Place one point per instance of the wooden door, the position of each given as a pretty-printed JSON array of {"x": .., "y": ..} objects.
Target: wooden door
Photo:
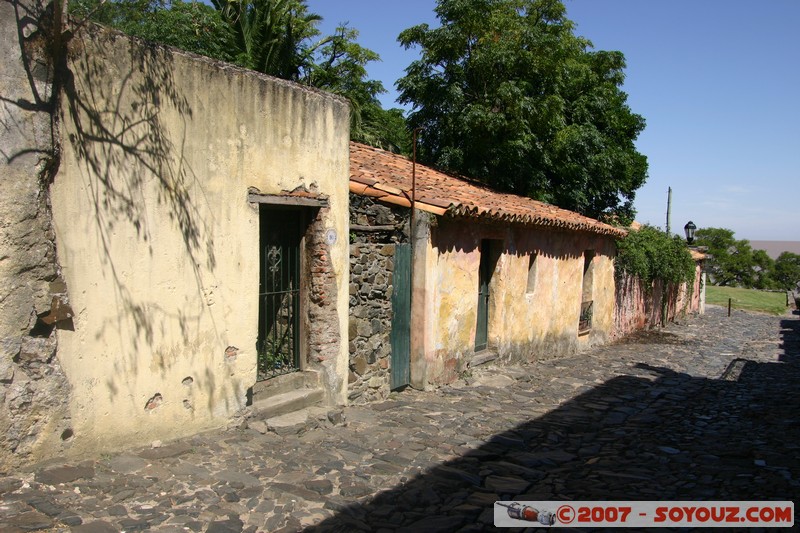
[
  {"x": 484, "y": 278},
  {"x": 401, "y": 318}
]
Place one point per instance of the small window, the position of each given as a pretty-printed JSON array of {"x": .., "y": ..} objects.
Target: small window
[
  {"x": 585, "y": 320},
  {"x": 587, "y": 303},
  {"x": 588, "y": 275},
  {"x": 532, "y": 263}
]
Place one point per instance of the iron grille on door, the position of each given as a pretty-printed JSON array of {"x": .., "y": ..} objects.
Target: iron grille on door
[
  {"x": 279, "y": 293},
  {"x": 585, "y": 320}
]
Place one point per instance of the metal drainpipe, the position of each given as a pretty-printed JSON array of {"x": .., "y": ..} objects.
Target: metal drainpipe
[
  {"x": 413, "y": 192},
  {"x": 412, "y": 228}
]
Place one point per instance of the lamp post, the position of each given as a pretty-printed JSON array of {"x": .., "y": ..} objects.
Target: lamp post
[{"x": 689, "y": 229}]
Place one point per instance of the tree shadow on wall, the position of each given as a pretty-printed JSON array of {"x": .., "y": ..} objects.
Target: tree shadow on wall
[
  {"x": 33, "y": 25},
  {"x": 656, "y": 435},
  {"x": 118, "y": 133},
  {"x": 127, "y": 122},
  {"x": 112, "y": 94}
]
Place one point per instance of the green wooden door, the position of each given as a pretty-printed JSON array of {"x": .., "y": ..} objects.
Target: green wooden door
[
  {"x": 401, "y": 318},
  {"x": 484, "y": 277}
]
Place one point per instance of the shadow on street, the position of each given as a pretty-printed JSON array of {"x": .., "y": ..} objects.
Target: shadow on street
[{"x": 663, "y": 436}]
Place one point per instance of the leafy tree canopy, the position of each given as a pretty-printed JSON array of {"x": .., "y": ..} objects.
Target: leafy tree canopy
[
  {"x": 731, "y": 262},
  {"x": 763, "y": 270},
  {"x": 649, "y": 254},
  {"x": 506, "y": 93},
  {"x": 734, "y": 263},
  {"x": 340, "y": 67},
  {"x": 786, "y": 271},
  {"x": 276, "y": 37},
  {"x": 191, "y": 26},
  {"x": 271, "y": 36}
]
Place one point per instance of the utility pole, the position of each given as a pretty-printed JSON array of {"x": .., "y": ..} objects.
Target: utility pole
[{"x": 669, "y": 208}]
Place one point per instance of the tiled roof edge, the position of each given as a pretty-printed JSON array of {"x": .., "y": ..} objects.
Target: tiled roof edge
[
  {"x": 456, "y": 207},
  {"x": 599, "y": 228}
]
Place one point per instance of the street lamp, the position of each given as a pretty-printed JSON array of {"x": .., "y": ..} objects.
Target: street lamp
[{"x": 689, "y": 228}]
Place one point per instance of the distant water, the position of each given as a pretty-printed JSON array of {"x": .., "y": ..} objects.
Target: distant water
[{"x": 775, "y": 248}]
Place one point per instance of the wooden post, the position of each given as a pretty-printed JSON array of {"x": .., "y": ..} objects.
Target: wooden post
[
  {"x": 729, "y": 306},
  {"x": 669, "y": 211}
]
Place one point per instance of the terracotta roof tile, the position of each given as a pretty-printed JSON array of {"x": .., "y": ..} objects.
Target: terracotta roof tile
[{"x": 387, "y": 177}]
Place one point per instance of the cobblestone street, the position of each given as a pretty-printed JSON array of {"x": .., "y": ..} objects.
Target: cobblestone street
[{"x": 704, "y": 409}]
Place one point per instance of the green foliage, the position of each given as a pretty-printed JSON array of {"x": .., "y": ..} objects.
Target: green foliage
[
  {"x": 506, "y": 93},
  {"x": 747, "y": 299},
  {"x": 786, "y": 271},
  {"x": 270, "y": 36},
  {"x": 191, "y": 26},
  {"x": 340, "y": 68},
  {"x": 732, "y": 262},
  {"x": 388, "y": 129},
  {"x": 650, "y": 254},
  {"x": 763, "y": 271},
  {"x": 276, "y": 37}
]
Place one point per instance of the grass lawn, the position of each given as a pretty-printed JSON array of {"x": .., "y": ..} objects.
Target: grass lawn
[{"x": 773, "y": 303}]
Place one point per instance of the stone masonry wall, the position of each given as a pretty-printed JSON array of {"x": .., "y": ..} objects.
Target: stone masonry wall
[
  {"x": 375, "y": 230},
  {"x": 34, "y": 421},
  {"x": 323, "y": 328}
]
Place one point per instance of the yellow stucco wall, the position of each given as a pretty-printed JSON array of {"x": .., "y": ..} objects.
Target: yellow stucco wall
[
  {"x": 522, "y": 324},
  {"x": 157, "y": 241}
]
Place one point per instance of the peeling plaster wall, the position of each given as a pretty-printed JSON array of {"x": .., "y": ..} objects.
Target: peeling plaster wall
[
  {"x": 324, "y": 323},
  {"x": 159, "y": 245},
  {"x": 641, "y": 306},
  {"x": 522, "y": 325},
  {"x": 34, "y": 393}
]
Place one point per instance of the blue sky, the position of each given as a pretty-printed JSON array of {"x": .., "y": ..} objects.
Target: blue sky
[{"x": 718, "y": 82}]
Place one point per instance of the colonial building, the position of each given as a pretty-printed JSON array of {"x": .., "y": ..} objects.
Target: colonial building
[
  {"x": 196, "y": 217},
  {"x": 181, "y": 244},
  {"x": 482, "y": 276}
]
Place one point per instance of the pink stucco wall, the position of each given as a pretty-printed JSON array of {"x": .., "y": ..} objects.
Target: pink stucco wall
[{"x": 640, "y": 307}]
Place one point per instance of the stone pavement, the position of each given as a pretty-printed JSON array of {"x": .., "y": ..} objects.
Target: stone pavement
[{"x": 704, "y": 409}]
